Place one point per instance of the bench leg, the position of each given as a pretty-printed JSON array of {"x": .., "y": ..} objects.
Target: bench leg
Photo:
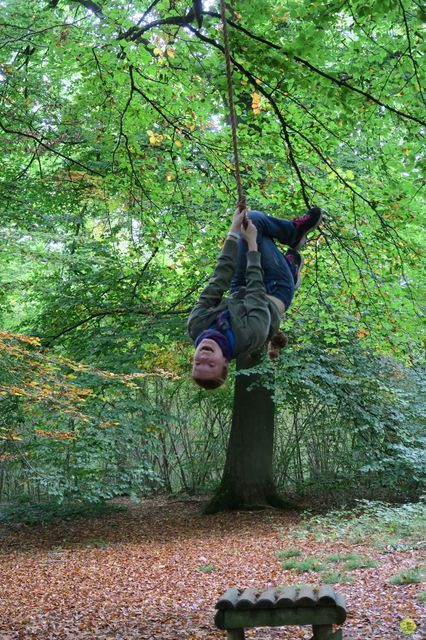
[
  {"x": 325, "y": 632},
  {"x": 235, "y": 634}
]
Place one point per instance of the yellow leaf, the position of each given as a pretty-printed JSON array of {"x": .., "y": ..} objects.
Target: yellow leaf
[
  {"x": 158, "y": 51},
  {"x": 407, "y": 626},
  {"x": 170, "y": 53},
  {"x": 154, "y": 138},
  {"x": 178, "y": 143},
  {"x": 255, "y": 104}
]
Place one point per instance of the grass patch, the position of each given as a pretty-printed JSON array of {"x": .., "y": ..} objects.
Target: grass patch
[
  {"x": 308, "y": 565},
  {"x": 46, "y": 512},
  {"x": 395, "y": 544},
  {"x": 334, "y": 577},
  {"x": 408, "y": 576},
  {"x": 334, "y": 558},
  {"x": 289, "y": 553},
  {"x": 421, "y": 597},
  {"x": 92, "y": 543},
  {"x": 379, "y": 521},
  {"x": 313, "y": 565},
  {"x": 289, "y": 565},
  {"x": 354, "y": 561},
  {"x": 207, "y": 568}
]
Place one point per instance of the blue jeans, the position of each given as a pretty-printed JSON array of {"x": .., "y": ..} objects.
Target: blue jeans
[{"x": 277, "y": 277}]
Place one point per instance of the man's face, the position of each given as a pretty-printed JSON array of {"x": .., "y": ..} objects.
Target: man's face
[{"x": 209, "y": 360}]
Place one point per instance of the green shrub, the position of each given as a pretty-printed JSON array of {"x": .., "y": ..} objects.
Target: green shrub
[
  {"x": 408, "y": 576},
  {"x": 380, "y": 521},
  {"x": 45, "y": 512}
]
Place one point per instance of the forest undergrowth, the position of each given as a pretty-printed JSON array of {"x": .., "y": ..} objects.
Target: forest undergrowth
[{"x": 156, "y": 569}]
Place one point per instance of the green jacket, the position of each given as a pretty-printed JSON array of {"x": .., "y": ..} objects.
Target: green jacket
[{"x": 254, "y": 317}]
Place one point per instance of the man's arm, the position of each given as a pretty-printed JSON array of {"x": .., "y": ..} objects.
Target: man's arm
[
  {"x": 255, "y": 289},
  {"x": 212, "y": 294},
  {"x": 224, "y": 269},
  {"x": 255, "y": 300}
]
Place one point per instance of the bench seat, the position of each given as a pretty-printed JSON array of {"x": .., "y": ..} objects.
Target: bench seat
[{"x": 322, "y": 608}]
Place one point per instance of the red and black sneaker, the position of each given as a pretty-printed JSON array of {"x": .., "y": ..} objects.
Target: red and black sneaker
[
  {"x": 295, "y": 262},
  {"x": 305, "y": 224}
]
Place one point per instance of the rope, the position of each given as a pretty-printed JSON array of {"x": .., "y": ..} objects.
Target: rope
[{"x": 241, "y": 197}]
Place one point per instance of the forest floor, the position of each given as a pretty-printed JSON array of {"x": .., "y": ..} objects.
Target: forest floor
[{"x": 156, "y": 570}]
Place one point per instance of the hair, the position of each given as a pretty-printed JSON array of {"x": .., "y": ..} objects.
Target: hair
[{"x": 212, "y": 383}]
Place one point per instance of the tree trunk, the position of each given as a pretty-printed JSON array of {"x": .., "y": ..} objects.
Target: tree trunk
[{"x": 247, "y": 481}]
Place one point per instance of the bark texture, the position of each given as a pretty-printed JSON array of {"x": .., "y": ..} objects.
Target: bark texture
[{"x": 247, "y": 481}]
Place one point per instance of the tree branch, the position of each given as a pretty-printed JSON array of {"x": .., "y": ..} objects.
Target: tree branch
[
  {"x": 283, "y": 122},
  {"x": 311, "y": 67},
  {"x": 102, "y": 313},
  {"x": 31, "y": 136},
  {"x": 410, "y": 49},
  {"x": 368, "y": 96}
]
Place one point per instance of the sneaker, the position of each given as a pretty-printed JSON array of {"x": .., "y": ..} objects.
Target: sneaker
[
  {"x": 305, "y": 224},
  {"x": 295, "y": 262}
]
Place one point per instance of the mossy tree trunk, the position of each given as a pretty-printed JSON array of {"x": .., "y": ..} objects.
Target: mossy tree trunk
[{"x": 247, "y": 481}]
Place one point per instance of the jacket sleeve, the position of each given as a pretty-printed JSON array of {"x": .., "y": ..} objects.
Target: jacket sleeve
[
  {"x": 255, "y": 289},
  {"x": 256, "y": 302},
  {"x": 212, "y": 294}
]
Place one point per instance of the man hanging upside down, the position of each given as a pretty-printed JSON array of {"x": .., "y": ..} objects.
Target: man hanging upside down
[{"x": 262, "y": 282}]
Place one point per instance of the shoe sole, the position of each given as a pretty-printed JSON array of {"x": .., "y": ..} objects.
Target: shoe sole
[
  {"x": 305, "y": 237},
  {"x": 299, "y": 278}
]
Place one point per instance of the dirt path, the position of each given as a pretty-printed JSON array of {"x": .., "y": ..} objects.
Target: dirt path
[{"x": 156, "y": 571}]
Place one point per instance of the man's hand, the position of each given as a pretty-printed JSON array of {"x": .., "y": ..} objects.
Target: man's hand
[
  {"x": 237, "y": 220},
  {"x": 250, "y": 235}
]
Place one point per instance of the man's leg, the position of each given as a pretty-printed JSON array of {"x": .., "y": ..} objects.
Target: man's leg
[
  {"x": 291, "y": 232},
  {"x": 276, "y": 228},
  {"x": 276, "y": 267},
  {"x": 276, "y": 270}
]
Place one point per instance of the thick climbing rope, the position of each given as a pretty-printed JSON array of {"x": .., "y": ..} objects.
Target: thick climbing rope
[{"x": 241, "y": 197}]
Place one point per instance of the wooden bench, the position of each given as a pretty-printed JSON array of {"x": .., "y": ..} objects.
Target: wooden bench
[{"x": 276, "y": 607}]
